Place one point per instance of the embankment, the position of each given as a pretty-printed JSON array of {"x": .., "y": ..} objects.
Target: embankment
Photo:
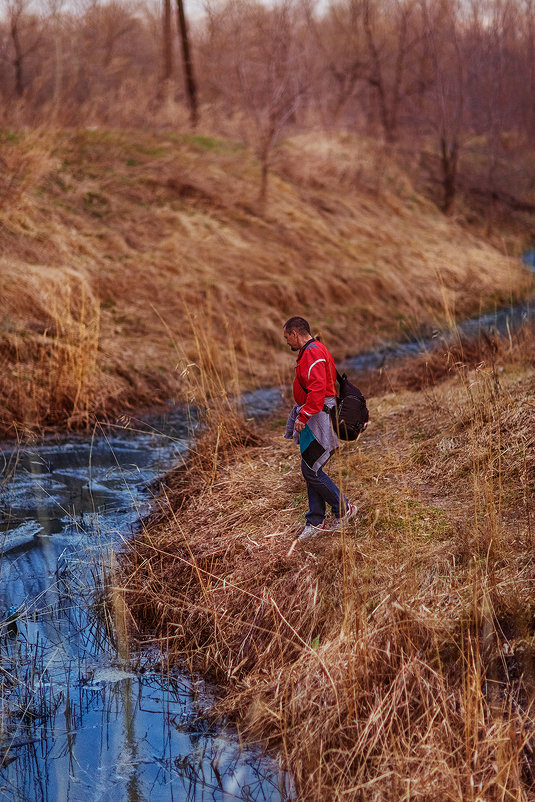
[
  {"x": 393, "y": 660},
  {"x": 124, "y": 252}
]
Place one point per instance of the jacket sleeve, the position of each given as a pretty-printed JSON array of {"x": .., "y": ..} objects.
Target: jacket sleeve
[{"x": 316, "y": 384}]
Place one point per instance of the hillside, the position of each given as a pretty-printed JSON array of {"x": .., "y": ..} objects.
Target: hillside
[{"x": 126, "y": 254}]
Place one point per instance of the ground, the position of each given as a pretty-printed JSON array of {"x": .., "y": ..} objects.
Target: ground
[{"x": 393, "y": 660}]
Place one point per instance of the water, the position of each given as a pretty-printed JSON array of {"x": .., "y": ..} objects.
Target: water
[{"x": 81, "y": 719}]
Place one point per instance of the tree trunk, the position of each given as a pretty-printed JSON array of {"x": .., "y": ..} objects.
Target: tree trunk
[
  {"x": 262, "y": 195},
  {"x": 265, "y": 153},
  {"x": 377, "y": 81},
  {"x": 167, "y": 42},
  {"x": 191, "y": 86},
  {"x": 58, "y": 67},
  {"x": 18, "y": 60},
  {"x": 449, "y": 157}
]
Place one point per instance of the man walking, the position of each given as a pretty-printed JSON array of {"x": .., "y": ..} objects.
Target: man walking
[{"x": 314, "y": 391}]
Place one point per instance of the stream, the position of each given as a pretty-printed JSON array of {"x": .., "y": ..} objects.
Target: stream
[{"x": 82, "y": 719}]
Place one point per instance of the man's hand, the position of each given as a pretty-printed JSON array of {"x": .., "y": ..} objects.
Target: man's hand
[{"x": 299, "y": 425}]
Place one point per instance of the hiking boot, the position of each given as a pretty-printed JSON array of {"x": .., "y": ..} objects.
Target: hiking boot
[
  {"x": 351, "y": 511},
  {"x": 310, "y": 531}
]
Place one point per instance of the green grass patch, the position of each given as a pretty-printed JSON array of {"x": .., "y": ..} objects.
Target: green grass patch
[
  {"x": 412, "y": 518},
  {"x": 155, "y": 151},
  {"x": 209, "y": 143},
  {"x": 7, "y": 136}
]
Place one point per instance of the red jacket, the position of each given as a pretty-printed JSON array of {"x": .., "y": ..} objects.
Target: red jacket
[{"x": 315, "y": 379}]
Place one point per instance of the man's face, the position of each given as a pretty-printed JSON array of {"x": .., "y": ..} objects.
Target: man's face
[{"x": 291, "y": 338}]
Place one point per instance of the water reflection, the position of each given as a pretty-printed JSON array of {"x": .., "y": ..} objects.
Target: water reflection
[
  {"x": 116, "y": 738},
  {"x": 80, "y": 720}
]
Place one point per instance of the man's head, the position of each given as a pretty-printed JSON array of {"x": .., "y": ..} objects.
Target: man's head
[{"x": 296, "y": 332}]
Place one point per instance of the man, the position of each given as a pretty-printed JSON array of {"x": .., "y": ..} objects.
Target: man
[{"x": 314, "y": 391}]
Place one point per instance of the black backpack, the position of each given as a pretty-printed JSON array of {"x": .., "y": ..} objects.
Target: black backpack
[{"x": 350, "y": 415}]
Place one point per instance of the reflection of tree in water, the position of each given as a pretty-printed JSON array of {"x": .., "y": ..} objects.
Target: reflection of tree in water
[
  {"x": 45, "y": 749},
  {"x": 211, "y": 767}
]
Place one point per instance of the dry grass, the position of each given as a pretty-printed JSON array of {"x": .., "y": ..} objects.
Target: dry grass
[
  {"x": 118, "y": 246},
  {"x": 50, "y": 363},
  {"x": 394, "y": 660},
  {"x": 453, "y": 354}
]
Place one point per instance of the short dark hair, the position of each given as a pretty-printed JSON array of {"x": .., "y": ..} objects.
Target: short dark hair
[{"x": 298, "y": 324}]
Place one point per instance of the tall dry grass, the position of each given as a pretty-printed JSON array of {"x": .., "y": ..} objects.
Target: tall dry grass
[
  {"x": 50, "y": 367},
  {"x": 159, "y": 235},
  {"x": 392, "y": 660}
]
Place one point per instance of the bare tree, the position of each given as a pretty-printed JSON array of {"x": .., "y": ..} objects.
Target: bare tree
[
  {"x": 116, "y": 24},
  {"x": 187, "y": 61},
  {"x": 55, "y": 9},
  {"x": 494, "y": 99},
  {"x": 528, "y": 27},
  {"x": 446, "y": 100},
  {"x": 167, "y": 42},
  {"x": 340, "y": 56},
  {"x": 259, "y": 67},
  {"x": 394, "y": 39},
  {"x": 25, "y": 39}
]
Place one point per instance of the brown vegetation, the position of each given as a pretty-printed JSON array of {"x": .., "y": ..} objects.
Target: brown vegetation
[
  {"x": 449, "y": 355},
  {"x": 392, "y": 660},
  {"x": 449, "y": 83},
  {"x": 116, "y": 248}
]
